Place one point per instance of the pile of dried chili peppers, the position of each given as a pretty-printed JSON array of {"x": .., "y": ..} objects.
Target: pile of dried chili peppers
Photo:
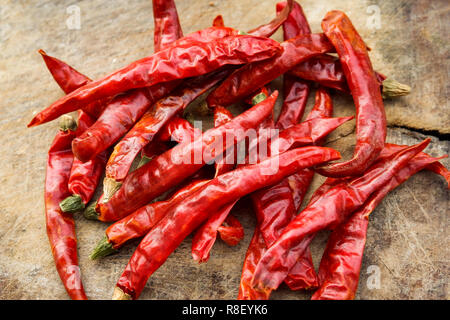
[{"x": 135, "y": 114}]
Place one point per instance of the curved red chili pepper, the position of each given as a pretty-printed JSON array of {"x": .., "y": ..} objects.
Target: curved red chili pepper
[
  {"x": 153, "y": 120},
  {"x": 173, "y": 63},
  {"x": 60, "y": 225},
  {"x": 341, "y": 262},
  {"x": 140, "y": 222},
  {"x": 167, "y": 24},
  {"x": 243, "y": 81},
  {"x": 268, "y": 29},
  {"x": 296, "y": 91},
  {"x": 365, "y": 88},
  {"x": 167, "y": 170},
  {"x": 84, "y": 177},
  {"x": 327, "y": 212},
  {"x": 163, "y": 239}
]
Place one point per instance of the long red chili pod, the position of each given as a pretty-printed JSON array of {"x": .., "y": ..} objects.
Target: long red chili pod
[
  {"x": 180, "y": 162},
  {"x": 327, "y": 71},
  {"x": 296, "y": 91},
  {"x": 149, "y": 125},
  {"x": 243, "y": 81},
  {"x": 84, "y": 177},
  {"x": 60, "y": 225},
  {"x": 167, "y": 24},
  {"x": 165, "y": 237},
  {"x": 327, "y": 212},
  {"x": 268, "y": 29},
  {"x": 341, "y": 262},
  {"x": 174, "y": 63},
  {"x": 140, "y": 222},
  {"x": 365, "y": 88}
]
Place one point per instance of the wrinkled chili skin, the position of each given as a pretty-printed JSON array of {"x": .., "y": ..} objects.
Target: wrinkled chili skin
[
  {"x": 243, "y": 81},
  {"x": 296, "y": 91},
  {"x": 60, "y": 225},
  {"x": 167, "y": 24},
  {"x": 168, "y": 169},
  {"x": 365, "y": 89},
  {"x": 141, "y": 221},
  {"x": 165, "y": 237},
  {"x": 84, "y": 177},
  {"x": 174, "y": 63},
  {"x": 152, "y": 121},
  {"x": 326, "y": 212},
  {"x": 340, "y": 266},
  {"x": 206, "y": 235},
  {"x": 179, "y": 130},
  {"x": 232, "y": 231}
]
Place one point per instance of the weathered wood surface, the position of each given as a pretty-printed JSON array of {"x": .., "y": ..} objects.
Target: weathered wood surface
[{"x": 408, "y": 236}]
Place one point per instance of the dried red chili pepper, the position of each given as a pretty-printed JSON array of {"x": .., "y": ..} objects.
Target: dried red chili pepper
[
  {"x": 327, "y": 71},
  {"x": 268, "y": 29},
  {"x": 326, "y": 212},
  {"x": 178, "y": 130},
  {"x": 149, "y": 125},
  {"x": 140, "y": 222},
  {"x": 173, "y": 63},
  {"x": 365, "y": 88},
  {"x": 243, "y": 81},
  {"x": 275, "y": 207},
  {"x": 60, "y": 225},
  {"x": 167, "y": 170},
  {"x": 167, "y": 24},
  {"x": 84, "y": 177},
  {"x": 296, "y": 91},
  {"x": 231, "y": 231},
  {"x": 163, "y": 239},
  {"x": 341, "y": 262}
]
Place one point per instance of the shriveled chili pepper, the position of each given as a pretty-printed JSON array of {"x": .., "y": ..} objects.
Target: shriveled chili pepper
[
  {"x": 365, "y": 88},
  {"x": 173, "y": 166},
  {"x": 206, "y": 235},
  {"x": 149, "y": 125},
  {"x": 326, "y": 212},
  {"x": 268, "y": 29},
  {"x": 167, "y": 24},
  {"x": 275, "y": 207},
  {"x": 84, "y": 177},
  {"x": 163, "y": 239},
  {"x": 243, "y": 81},
  {"x": 192, "y": 59},
  {"x": 341, "y": 262},
  {"x": 140, "y": 222},
  {"x": 296, "y": 91},
  {"x": 60, "y": 225},
  {"x": 327, "y": 71}
]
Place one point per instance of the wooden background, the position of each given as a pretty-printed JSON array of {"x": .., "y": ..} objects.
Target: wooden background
[{"x": 408, "y": 237}]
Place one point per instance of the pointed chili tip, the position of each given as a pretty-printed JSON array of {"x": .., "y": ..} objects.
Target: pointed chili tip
[
  {"x": 90, "y": 212},
  {"x": 118, "y": 294},
  {"x": 42, "y": 52},
  {"x": 72, "y": 204},
  {"x": 197, "y": 256},
  {"x": 392, "y": 88},
  {"x": 104, "y": 248}
]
